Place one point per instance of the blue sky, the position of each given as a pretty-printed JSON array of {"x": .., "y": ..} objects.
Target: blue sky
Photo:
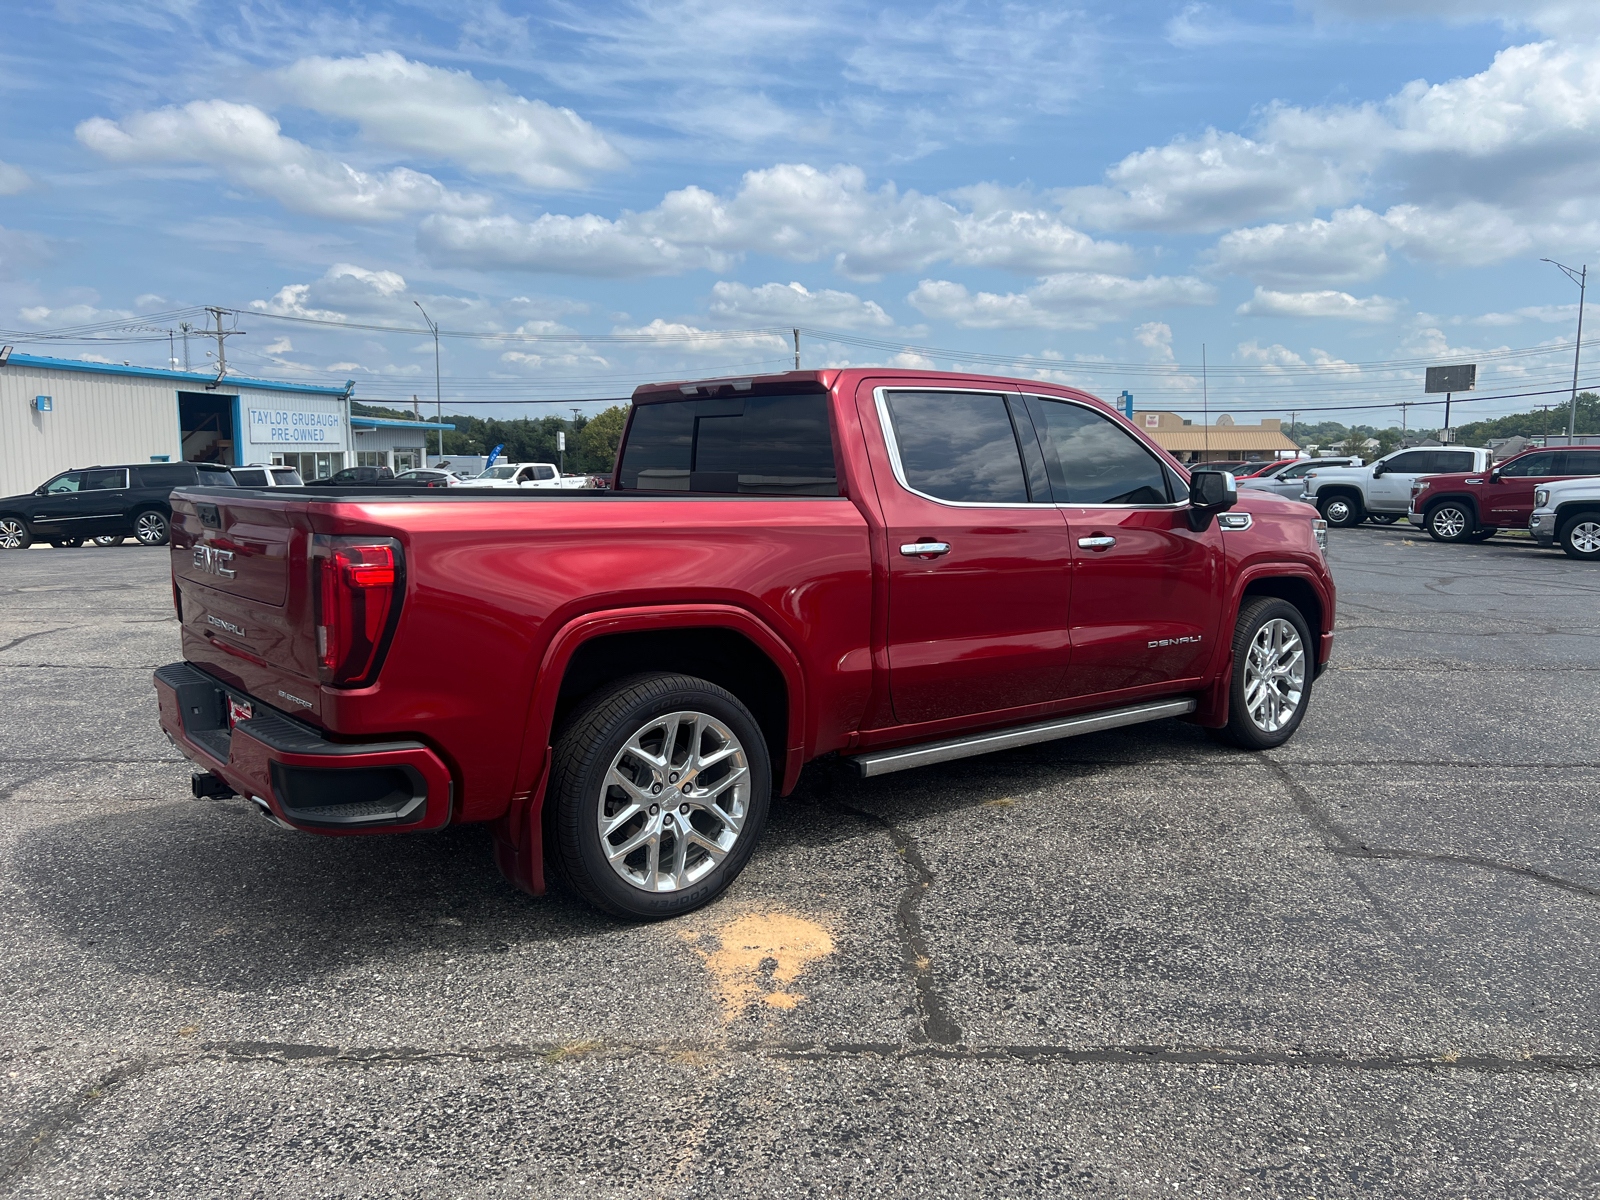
[{"x": 1082, "y": 194}]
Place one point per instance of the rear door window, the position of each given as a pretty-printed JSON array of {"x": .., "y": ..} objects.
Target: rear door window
[
  {"x": 171, "y": 476},
  {"x": 1451, "y": 460},
  {"x": 733, "y": 445},
  {"x": 1577, "y": 462},
  {"x": 1093, "y": 460},
  {"x": 105, "y": 481},
  {"x": 958, "y": 446}
]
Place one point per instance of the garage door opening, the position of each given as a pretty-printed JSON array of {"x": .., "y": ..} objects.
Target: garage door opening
[{"x": 207, "y": 424}]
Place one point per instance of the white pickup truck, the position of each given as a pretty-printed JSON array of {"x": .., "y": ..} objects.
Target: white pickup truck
[
  {"x": 1381, "y": 490},
  {"x": 1567, "y": 513},
  {"x": 528, "y": 475}
]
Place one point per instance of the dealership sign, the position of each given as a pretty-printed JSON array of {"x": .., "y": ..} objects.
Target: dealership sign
[{"x": 281, "y": 426}]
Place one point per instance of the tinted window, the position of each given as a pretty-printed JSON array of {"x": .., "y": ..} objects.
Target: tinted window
[
  {"x": 250, "y": 477},
  {"x": 1096, "y": 460},
  {"x": 70, "y": 482},
  {"x": 1298, "y": 471},
  {"x": 1578, "y": 462},
  {"x": 287, "y": 478},
  {"x": 171, "y": 476},
  {"x": 1530, "y": 465},
  {"x": 214, "y": 477},
  {"x": 958, "y": 446},
  {"x": 1418, "y": 461},
  {"x": 105, "y": 481},
  {"x": 1452, "y": 460},
  {"x": 737, "y": 445}
]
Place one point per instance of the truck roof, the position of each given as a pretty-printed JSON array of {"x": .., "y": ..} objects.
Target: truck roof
[{"x": 831, "y": 378}]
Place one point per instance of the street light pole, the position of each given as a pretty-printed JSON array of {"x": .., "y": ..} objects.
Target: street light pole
[
  {"x": 438, "y": 401},
  {"x": 1581, "y": 278}
]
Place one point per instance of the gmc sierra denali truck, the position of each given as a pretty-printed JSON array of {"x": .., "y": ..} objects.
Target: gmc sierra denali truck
[
  {"x": 1472, "y": 506},
  {"x": 893, "y": 568}
]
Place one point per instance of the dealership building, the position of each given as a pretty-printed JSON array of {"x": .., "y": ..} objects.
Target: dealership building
[{"x": 58, "y": 414}]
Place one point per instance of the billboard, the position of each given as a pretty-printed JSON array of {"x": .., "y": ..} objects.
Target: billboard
[{"x": 1452, "y": 379}]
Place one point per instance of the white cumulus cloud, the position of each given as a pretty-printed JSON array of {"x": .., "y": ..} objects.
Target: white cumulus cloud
[
  {"x": 1070, "y": 300},
  {"x": 1341, "y": 306},
  {"x": 13, "y": 179},
  {"x": 793, "y": 211},
  {"x": 793, "y": 302},
  {"x": 452, "y": 116},
  {"x": 248, "y": 146}
]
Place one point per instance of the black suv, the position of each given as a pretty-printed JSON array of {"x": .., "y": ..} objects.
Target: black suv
[{"x": 103, "y": 503}]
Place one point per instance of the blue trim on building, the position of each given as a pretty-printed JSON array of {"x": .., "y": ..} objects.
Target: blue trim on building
[
  {"x": 386, "y": 423},
  {"x": 200, "y": 383}
]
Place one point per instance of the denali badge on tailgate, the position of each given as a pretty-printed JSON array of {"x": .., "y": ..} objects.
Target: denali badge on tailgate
[{"x": 213, "y": 561}]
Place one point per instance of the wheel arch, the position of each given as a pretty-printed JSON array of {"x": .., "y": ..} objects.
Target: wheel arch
[
  {"x": 1465, "y": 498},
  {"x": 1564, "y": 512},
  {"x": 1294, "y": 585},
  {"x": 749, "y": 659}
]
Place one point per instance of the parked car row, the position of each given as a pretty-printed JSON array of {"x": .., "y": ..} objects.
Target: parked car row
[
  {"x": 1460, "y": 494},
  {"x": 108, "y": 505}
]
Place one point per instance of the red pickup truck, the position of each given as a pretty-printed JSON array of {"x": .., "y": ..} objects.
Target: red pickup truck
[
  {"x": 896, "y": 568},
  {"x": 1472, "y": 506}
]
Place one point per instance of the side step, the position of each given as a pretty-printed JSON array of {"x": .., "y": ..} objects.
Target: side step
[{"x": 902, "y": 758}]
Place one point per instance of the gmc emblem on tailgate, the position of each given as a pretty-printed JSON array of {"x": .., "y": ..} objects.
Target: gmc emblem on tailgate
[{"x": 213, "y": 561}]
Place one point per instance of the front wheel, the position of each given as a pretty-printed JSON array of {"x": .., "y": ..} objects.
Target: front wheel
[
  {"x": 1451, "y": 521},
  {"x": 658, "y": 793},
  {"x": 1341, "y": 511},
  {"x": 1580, "y": 537},
  {"x": 151, "y": 528},
  {"x": 14, "y": 534},
  {"x": 1272, "y": 670}
]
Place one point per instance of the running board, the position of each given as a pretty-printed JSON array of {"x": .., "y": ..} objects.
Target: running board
[{"x": 903, "y": 758}]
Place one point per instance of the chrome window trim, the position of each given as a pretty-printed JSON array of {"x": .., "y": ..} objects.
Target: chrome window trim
[
  {"x": 1171, "y": 504},
  {"x": 880, "y": 396}
]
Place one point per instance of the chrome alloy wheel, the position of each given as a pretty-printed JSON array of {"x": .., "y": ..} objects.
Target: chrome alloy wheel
[
  {"x": 13, "y": 534},
  {"x": 1338, "y": 510},
  {"x": 1449, "y": 521},
  {"x": 150, "y": 528},
  {"x": 1274, "y": 675},
  {"x": 1585, "y": 537},
  {"x": 674, "y": 801}
]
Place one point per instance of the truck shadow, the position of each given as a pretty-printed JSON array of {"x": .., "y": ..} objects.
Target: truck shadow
[{"x": 208, "y": 894}]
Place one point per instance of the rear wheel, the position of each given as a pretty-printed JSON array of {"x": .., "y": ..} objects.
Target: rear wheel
[
  {"x": 1272, "y": 670},
  {"x": 151, "y": 527},
  {"x": 14, "y": 534},
  {"x": 1580, "y": 537},
  {"x": 110, "y": 539},
  {"x": 1483, "y": 535},
  {"x": 658, "y": 794},
  {"x": 1341, "y": 510},
  {"x": 66, "y": 543},
  {"x": 1383, "y": 518},
  {"x": 1451, "y": 521}
]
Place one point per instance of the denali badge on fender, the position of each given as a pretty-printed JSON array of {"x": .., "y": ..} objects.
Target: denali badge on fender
[
  {"x": 1178, "y": 641},
  {"x": 213, "y": 561}
]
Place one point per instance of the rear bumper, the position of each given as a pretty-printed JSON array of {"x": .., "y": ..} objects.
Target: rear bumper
[{"x": 293, "y": 772}]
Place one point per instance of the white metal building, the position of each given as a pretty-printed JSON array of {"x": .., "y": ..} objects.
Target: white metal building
[
  {"x": 398, "y": 445},
  {"x": 58, "y": 413}
]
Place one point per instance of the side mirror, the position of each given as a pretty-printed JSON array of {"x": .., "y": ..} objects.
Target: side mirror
[
  {"x": 1210, "y": 492},
  {"x": 1378, "y": 468},
  {"x": 1494, "y": 475}
]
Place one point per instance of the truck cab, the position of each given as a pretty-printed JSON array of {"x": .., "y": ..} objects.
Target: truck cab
[{"x": 1474, "y": 505}]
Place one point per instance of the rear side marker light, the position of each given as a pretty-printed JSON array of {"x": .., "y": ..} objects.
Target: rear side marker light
[{"x": 358, "y": 585}]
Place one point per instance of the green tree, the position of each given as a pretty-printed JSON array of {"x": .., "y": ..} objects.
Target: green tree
[
  {"x": 599, "y": 439},
  {"x": 1535, "y": 423}
]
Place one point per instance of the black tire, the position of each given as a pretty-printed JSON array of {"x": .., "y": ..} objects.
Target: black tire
[
  {"x": 14, "y": 534},
  {"x": 1450, "y": 521},
  {"x": 152, "y": 527},
  {"x": 581, "y": 791},
  {"x": 1341, "y": 510},
  {"x": 1383, "y": 518},
  {"x": 1244, "y": 730},
  {"x": 66, "y": 543},
  {"x": 1483, "y": 535},
  {"x": 110, "y": 539},
  {"x": 1580, "y": 536}
]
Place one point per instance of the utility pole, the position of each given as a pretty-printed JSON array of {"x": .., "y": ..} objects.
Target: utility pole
[
  {"x": 1581, "y": 278},
  {"x": 438, "y": 400},
  {"x": 221, "y": 335},
  {"x": 1205, "y": 401},
  {"x": 796, "y": 349}
]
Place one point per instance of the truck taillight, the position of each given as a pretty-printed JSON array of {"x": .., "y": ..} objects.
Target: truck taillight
[{"x": 358, "y": 585}]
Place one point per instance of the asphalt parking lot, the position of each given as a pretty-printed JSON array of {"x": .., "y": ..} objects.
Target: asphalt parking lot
[{"x": 1132, "y": 964}]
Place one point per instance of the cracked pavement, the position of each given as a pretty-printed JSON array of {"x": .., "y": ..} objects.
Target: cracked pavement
[{"x": 1132, "y": 964}]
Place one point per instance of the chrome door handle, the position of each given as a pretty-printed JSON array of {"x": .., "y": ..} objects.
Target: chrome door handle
[
  {"x": 925, "y": 549},
  {"x": 1097, "y": 543}
]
